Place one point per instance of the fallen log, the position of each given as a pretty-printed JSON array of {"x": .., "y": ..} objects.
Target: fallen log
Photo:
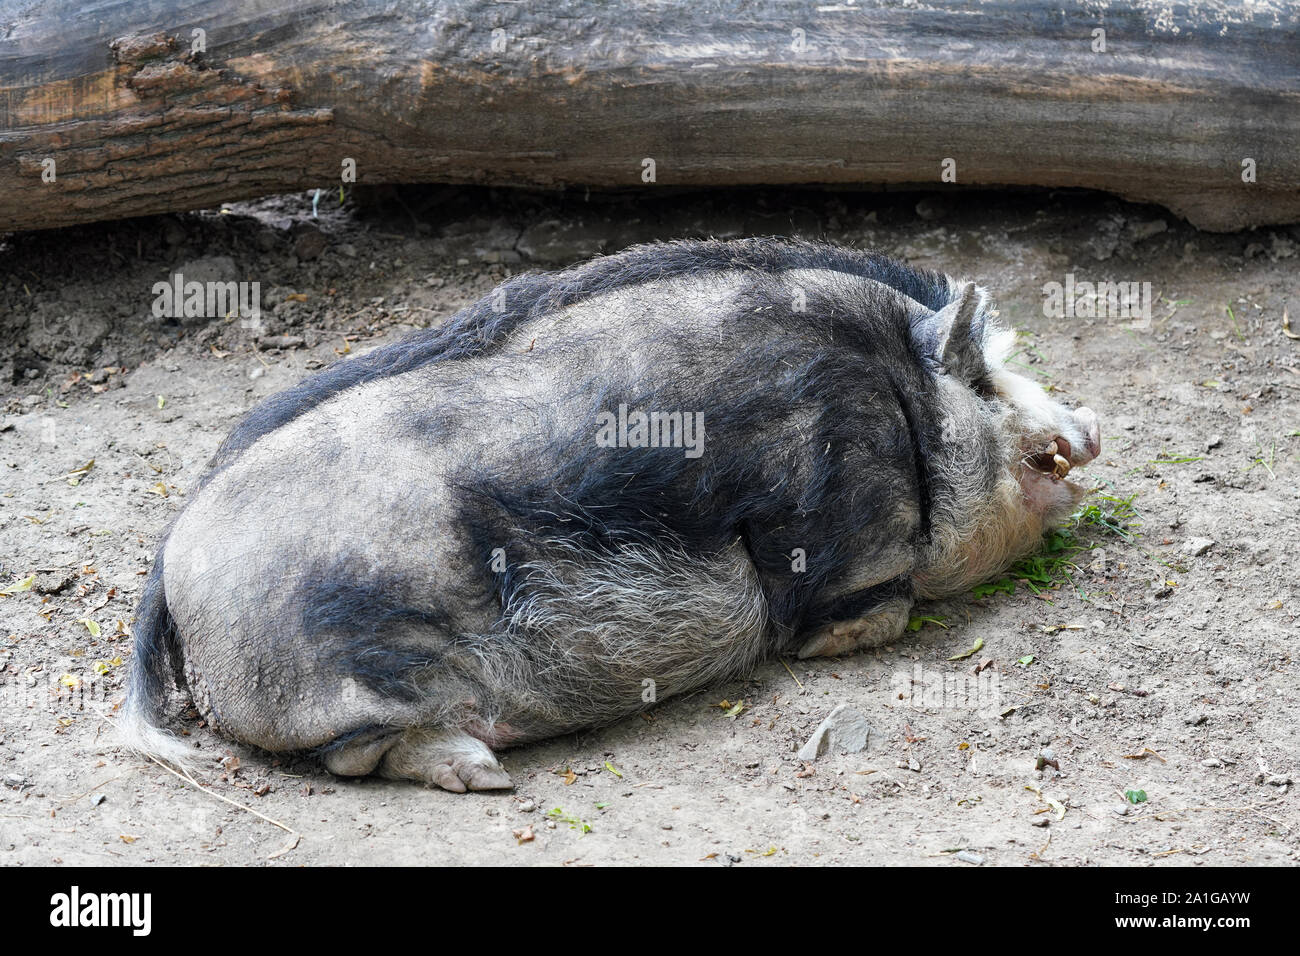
[{"x": 130, "y": 107}]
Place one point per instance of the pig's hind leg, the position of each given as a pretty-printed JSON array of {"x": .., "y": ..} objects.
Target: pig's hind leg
[
  {"x": 873, "y": 609},
  {"x": 450, "y": 759},
  {"x": 885, "y": 623}
]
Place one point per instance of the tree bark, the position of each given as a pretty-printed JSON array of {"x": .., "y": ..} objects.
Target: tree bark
[{"x": 137, "y": 119}]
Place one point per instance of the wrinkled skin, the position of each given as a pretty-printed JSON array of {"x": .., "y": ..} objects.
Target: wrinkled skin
[{"x": 429, "y": 552}]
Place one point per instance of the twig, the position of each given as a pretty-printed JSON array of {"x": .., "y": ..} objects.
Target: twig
[
  {"x": 234, "y": 803},
  {"x": 787, "y": 667},
  {"x": 1249, "y": 808},
  {"x": 72, "y": 800}
]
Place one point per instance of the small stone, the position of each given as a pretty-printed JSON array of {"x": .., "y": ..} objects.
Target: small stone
[
  {"x": 1195, "y": 547},
  {"x": 97, "y": 799},
  {"x": 280, "y": 342},
  {"x": 968, "y": 856},
  {"x": 1277, "y": 780},
  {"x": 52, "y": 582},
  {"x": 931, "y": 208},
  {"x": 15, "y": 781},
  {"x": 1121, "y": 809},
  {"x": 310, "y": 243},
  {"x": 913, "y": 764},
  {"x": 844, "y": 729},
  {"x": 1040, "y": 822},
  {"x": 1145, "y": 230},
  {"x": 1213, "y": 442},
  {"x": 1212, "y": 762},
  {"x": 526, "y": 807},
  {"x": 173, "y": 233}
]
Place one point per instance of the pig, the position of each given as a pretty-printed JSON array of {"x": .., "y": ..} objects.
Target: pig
[{"x": 590, "y": 491}]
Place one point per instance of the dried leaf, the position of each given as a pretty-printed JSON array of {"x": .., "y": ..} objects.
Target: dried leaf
[
  {"x": 1143, "y": 754},
  {"x": 978, "y": 646},
  {"x": 24, "y": 584}
]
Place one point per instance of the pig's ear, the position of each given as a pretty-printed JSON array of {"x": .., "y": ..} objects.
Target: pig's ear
[{"x": 960, "y": 348}]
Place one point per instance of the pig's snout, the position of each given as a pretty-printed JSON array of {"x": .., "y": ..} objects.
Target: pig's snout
[
  {"x": 1060, "y": 454},
  {"x": 1090, "y": 447}
]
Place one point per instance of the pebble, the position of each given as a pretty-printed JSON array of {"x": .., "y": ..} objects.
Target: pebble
[
  {"x": 1145, "y": 230},
  {"x": 1212, "y": 762},
  {"x": 311, "y": 242},
  {"x": 844, "y": 729},
  {"x": 52, "y": 582},
  {"x": 1195, "y": 547},
  {"x": 280, "y": 342},
  {"x": 967, "y": 856}
]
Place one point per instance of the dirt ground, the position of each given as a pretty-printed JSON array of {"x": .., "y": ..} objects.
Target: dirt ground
[{"x": 1162, "y": 665}]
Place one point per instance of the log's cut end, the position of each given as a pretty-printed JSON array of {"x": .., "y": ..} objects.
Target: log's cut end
[{"x": 195, "y": 104}]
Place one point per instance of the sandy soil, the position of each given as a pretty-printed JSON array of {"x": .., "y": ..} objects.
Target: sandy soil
[{"x": 1164, "y": 665}]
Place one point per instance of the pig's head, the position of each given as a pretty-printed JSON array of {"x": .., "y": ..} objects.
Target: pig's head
[{"x": 1000, "y": 471}]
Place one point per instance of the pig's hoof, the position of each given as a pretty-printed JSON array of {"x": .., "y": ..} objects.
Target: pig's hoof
[
  {"x": 844, "y": 637},
  {"x": 450, "y": 759}
]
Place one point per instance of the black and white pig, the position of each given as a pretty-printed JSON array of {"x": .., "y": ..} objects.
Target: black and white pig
[{"x": 590, "y": 491}]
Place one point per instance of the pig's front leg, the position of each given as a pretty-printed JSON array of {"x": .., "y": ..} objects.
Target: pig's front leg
[{"x": 885, "y": 622}]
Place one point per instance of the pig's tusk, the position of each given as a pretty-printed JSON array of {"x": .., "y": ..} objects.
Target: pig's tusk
[{"x": 1062, "y": 466}]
